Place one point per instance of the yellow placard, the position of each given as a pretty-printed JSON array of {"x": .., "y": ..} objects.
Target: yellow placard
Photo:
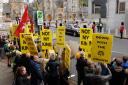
[
  {"x": 46, "y": 39},
  {"x": 31, "y": 45},
  {"x": 60, "y": 41},
  {"x": 86, "y": 39},
  {"x": 27, "y": 28},
  {"x": 35, "y": 36},
  {"x": 67, "y": 56},
  {"x": 23, "y": 43},
  {"x": 102, "y": 48},
  {"x": 12, "y": 30}
]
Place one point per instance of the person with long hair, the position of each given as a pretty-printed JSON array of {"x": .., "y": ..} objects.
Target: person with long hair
[{"x": 22, "y": 77}]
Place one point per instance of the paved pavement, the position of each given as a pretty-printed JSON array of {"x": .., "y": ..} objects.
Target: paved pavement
[{"x": 6, "y": 76}]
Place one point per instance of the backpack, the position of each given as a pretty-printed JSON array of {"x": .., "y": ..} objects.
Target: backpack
[{"x": 6, "y": 48}]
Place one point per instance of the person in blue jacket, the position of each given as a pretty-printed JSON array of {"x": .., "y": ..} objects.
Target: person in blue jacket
[{"x": 35, "y": 69}]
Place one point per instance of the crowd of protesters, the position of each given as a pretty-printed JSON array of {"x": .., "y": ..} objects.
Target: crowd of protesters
[
  {"x": 34, "y": 70},
  {"x": 90, "y": 73}
]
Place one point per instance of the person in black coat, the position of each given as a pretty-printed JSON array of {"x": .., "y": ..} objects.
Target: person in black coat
[
  {"x": 22, "y": 78},
  {"x": 64, "y": 70},
  {"x": 25, "y": 61},
  {"x": 80, "y": 65},
  {"x": 52, "y": 69},
  {"x": 16, "y": 62},
  {"x": 118, "y": 74}
]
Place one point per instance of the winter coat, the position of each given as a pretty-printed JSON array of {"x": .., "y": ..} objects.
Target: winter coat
[{"x": 22, "y": 80}]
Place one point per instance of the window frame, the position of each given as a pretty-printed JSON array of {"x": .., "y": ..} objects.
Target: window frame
[
  {"x": 119, "y": 10},
  {"x": 96, "y": 7}
]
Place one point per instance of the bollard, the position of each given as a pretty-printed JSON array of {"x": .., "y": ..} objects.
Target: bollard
[
  {"x": 109, "y": 31},
  {"x": 116, "y": 32},
  {"x": 102, "y": 31},
  {"x": 124, "y": 34},
  {"x": 96, "y": 30}
]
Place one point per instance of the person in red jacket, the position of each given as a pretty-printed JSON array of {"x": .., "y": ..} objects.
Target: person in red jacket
[
  {"x": 94, "y": 27},
  {"x": 121, "y": 30}
]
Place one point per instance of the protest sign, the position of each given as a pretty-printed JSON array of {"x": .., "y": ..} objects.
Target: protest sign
[
  {"x": 31, "y": 45},
  {"x": 86, "y": 39},
  {"x": 46, "y": 39},
  {"x": 102, "y": 48},
  {"x": 60, "y": 41},
  {"x": 23, "y": 43}
]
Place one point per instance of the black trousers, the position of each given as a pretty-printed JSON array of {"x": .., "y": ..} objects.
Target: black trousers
[
  {"x": 53, "y": 81},
  {"x": 121, "y": 35},
  {"x": 80, "y": 78},
  {"x": 99, "y": 29}
]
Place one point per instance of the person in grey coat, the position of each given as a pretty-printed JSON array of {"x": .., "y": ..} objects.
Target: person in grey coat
[{"x": 97, "y": 78}]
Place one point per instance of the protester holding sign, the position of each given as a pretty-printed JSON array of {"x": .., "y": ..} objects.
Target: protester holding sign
[
  {"x": 64, "y": 68},
  {"x": 80, "y": 65}
]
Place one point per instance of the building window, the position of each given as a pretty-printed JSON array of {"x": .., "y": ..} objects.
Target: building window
[
  {"x": 120, "y": 7},
  {"x": 8, "y": 15},
  {"x": 96, "y": 8},
  {"x": 83, "y": 3}
]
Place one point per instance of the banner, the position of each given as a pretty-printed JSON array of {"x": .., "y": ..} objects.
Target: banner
[
  {"x": 86, "y": 40},
  {"x": 102, "y": 48},
  {"x": 60, "y": 41},
  {"x": 31, "y": 45},
  {"x": 67, "y": 56},
  {"x": 46, "y": 39},
  {"x": 23, "y": 43}
]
